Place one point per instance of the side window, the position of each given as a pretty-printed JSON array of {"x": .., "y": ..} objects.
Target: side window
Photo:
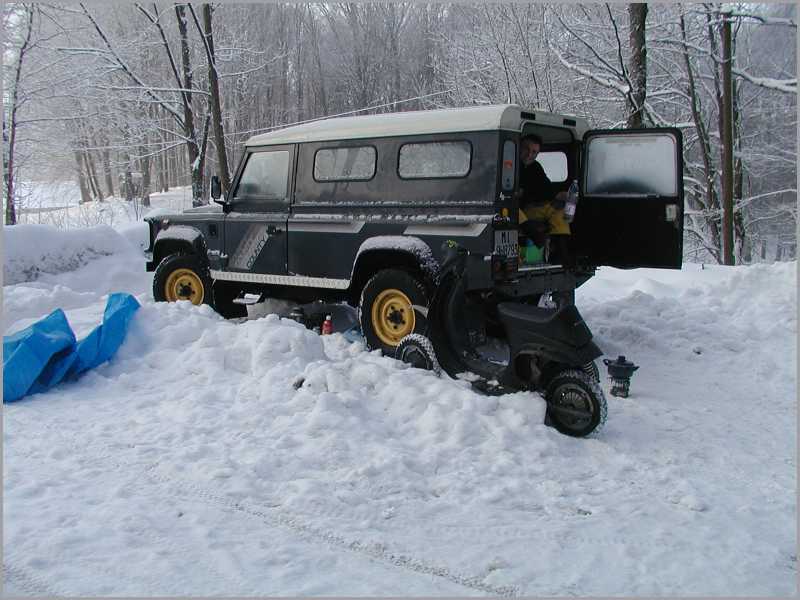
[
  {"x": 265, "y": 176},
  {"x": 345, "y": 164},
  {"x": 434, "y": 159},
  {"x": 554, "y": 165}
]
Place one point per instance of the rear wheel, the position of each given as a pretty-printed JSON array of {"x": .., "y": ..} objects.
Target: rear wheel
[
  {"x": 386, "y": 309},
  {"x": 576, "y": 405}
]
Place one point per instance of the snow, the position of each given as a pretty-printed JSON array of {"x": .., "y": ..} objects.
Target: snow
[
  {"x": 254, "y": 457},
  {"x": 31, "y": 250},
  {"x": 58, "y": 204}
]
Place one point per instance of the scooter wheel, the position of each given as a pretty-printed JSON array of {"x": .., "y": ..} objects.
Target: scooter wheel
[
  {"x": 417, "y": 350},
  {"x": 576, "y": 406}
]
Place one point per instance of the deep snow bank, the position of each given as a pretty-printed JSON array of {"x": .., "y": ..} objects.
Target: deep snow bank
[
  {"x": 697, "y": 310},
  {"x": 31, "y": 250}
]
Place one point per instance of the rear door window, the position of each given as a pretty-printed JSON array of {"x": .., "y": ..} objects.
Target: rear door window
[{"x": 632, "y": 164}]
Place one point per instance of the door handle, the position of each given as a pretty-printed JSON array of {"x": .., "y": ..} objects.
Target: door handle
[{"x": 273, "y": 230}]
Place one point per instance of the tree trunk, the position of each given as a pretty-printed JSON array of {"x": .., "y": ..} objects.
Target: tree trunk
[
  {"x": 192, "y": 151},
  {"x": 144, "y": 167},
  {"x": 94, "y": 183},
  {"x": 283, "y": 107},
  {"x": 727, "y": 144},
  {"x": 85, "y": 195},
  {"x": 11, "y": 211},
  {"x": 711, "y": 203},
  {"x": 216, "y": 110},
  {"x": 109, "y": 176},
  {"x": 198, "y": 195},
  {"x": 637, "y": 66},
  {"x": 321, "y": 100},
  {"x": 300, "y": 79},
  {"x": 742, "y": 243}
]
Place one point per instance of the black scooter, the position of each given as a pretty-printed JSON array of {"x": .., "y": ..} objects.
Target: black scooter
[{"x": 548, "y": 350}]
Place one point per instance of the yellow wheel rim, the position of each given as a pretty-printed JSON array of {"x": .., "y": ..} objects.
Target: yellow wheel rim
[
  {"x": 392, "y": 316},
  {"x": 184, "y": 284}
]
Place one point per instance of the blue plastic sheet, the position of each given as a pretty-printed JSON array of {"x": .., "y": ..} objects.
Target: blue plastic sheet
[{"x": 47, "y": 353}]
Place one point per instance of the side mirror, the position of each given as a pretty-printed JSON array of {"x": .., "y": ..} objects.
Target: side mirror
[{"x": 216, "y": 189}]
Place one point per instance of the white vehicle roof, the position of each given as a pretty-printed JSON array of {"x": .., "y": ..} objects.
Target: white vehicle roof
[{"x": 451, "y": 120}]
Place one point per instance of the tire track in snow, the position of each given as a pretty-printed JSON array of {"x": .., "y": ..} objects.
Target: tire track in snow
[
  {"x": 375, "y": 551},
  {"x": 275, "y": 517},
  {"x": 21, "y": 578}
]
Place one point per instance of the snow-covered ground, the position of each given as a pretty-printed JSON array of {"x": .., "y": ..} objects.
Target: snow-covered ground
[
  {"x": 58, "y": 204},
  {"x": 257, "y": 458}
]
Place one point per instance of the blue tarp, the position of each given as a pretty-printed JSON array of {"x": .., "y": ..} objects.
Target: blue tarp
[{"x": 47, "y": 353}]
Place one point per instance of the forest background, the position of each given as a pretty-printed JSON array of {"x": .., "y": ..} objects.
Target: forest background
[{"x": 143, "y": 97}]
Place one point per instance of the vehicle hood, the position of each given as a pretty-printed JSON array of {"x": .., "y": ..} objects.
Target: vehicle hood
[{"x": 208, "y": 208}]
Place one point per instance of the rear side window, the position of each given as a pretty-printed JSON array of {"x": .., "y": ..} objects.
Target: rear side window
[
  {"x": 554, "y": 165},
  {"x": 345, "y": 164},
  {"x": 265, "y": 176},
  {"x": 434, "y": 160}
]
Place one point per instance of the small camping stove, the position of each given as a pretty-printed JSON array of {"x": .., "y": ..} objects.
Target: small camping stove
[{"x": 620, "y": 371}]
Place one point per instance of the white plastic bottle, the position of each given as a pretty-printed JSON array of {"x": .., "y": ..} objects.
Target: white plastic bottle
[{"x": 572, "y": 202}]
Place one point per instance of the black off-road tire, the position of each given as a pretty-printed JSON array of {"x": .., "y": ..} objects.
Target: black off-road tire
[
  {"x": 396, "y": 320},
  {"x": 417, "y": 350},
  {"x": 220, "y": 302},
  {"x": 576, "y": 391}
]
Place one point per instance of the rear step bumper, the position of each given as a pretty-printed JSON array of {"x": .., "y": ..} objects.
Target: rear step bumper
[{"x": 540, "y": 279}]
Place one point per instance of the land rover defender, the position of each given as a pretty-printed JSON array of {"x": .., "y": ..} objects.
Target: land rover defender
[{"x": 356, "y": 209}]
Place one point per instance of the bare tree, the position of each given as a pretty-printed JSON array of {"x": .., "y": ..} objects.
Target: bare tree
[
  {"x": 637, "y": 67},
  {"x": 213, "y": 84},
  {"x": 10, "y": 130}
]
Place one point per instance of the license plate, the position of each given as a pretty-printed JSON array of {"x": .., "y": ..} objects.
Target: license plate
[{"x": 506, "y": 243}]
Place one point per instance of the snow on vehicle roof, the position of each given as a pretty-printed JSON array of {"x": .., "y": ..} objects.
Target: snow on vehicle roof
[{"x": 450, "y": 120}]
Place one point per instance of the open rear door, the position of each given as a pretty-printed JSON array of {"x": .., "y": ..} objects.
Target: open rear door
[{"x": 630, "y": 212}]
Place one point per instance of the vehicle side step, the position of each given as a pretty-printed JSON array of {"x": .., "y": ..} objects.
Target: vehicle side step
[{"x": 247, "y": 299}]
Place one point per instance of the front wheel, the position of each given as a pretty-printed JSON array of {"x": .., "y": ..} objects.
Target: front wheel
[
  {"x": 576, "y": 405},
  {"x": 386, "y": 309},
  {"x": 182, "y": 277},
  {"x": 186, "y": 277}
]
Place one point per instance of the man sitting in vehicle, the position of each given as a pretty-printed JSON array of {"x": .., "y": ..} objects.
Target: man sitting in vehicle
[{"x": 541, "y": 210}]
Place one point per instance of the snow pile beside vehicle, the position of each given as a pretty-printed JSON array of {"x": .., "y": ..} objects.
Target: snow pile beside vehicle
[
  {"x": 31, "y": 250},
  {"x": 722, "y": 315},
  {"x": 285, "y": 387}
]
